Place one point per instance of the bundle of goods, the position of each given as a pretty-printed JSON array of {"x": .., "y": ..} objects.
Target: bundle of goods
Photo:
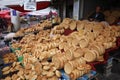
[
  {"x": 111, "y": 16},
  {"x": 72, "y": 53}
]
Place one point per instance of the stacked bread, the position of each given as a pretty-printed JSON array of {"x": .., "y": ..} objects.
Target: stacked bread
[
  {"x": 34, "y": 71},
  {"x": 37, "y": 27},
  {"x": 80, "y": 71},
  {"x": 86, "y": 44},
  {"x": 111, "y": 15}
]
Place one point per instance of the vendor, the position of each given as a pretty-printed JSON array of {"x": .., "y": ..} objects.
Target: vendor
[
  {"x": 10, "y": 27},
  {"x": 97, "y": 15}
]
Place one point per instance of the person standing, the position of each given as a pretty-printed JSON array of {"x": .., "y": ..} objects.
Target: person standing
[
  {"x": 97, "y": 15},
  {"x": 10, "y": 27},
  {"x": 28, "y": 20}
]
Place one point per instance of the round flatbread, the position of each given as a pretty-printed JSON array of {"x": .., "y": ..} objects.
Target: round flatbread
[
  {"x": 69, "y": 54},
  {"x": 89, "y": 56},
  {"x": 83, "y": 43},
  {"x": 78, "y": 53},
  {"x": 68, "y": 67},
  {"x": 80, "y": 26},
  {"x": 100, "y": 58},
  {"x": 73, "y": 25}
]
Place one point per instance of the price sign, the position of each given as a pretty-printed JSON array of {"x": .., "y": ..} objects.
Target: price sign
[
  {"x": 30, "y": 5},
  {"x": 14, "y": 13}
]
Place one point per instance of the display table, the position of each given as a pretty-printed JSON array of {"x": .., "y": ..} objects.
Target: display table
[{"x": 92, "y": 74}]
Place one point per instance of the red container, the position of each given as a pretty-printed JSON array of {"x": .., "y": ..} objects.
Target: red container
[
  {"x": 67, "y": 32},
  {"x": 118, "y": 41},
  {"x": 111, "y": 49}
]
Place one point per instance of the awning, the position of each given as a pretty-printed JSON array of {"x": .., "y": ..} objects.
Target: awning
[
  {"x": 4, "y": 12},
  {"x": 43, "y": 12},
  {"x": 40, "y": 5},
  {"x": 7, "y": 16}
]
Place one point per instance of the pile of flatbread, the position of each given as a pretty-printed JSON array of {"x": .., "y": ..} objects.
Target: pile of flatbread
[{"x": 86, "y": 44}]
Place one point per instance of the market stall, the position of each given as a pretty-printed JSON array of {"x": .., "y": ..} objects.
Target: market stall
[
  {"x": 58, "y": 48},
  {"x": 68, "y": 50}
]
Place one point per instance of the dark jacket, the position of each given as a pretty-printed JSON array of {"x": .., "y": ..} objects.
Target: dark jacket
[{"x": 97, "y": 16}]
